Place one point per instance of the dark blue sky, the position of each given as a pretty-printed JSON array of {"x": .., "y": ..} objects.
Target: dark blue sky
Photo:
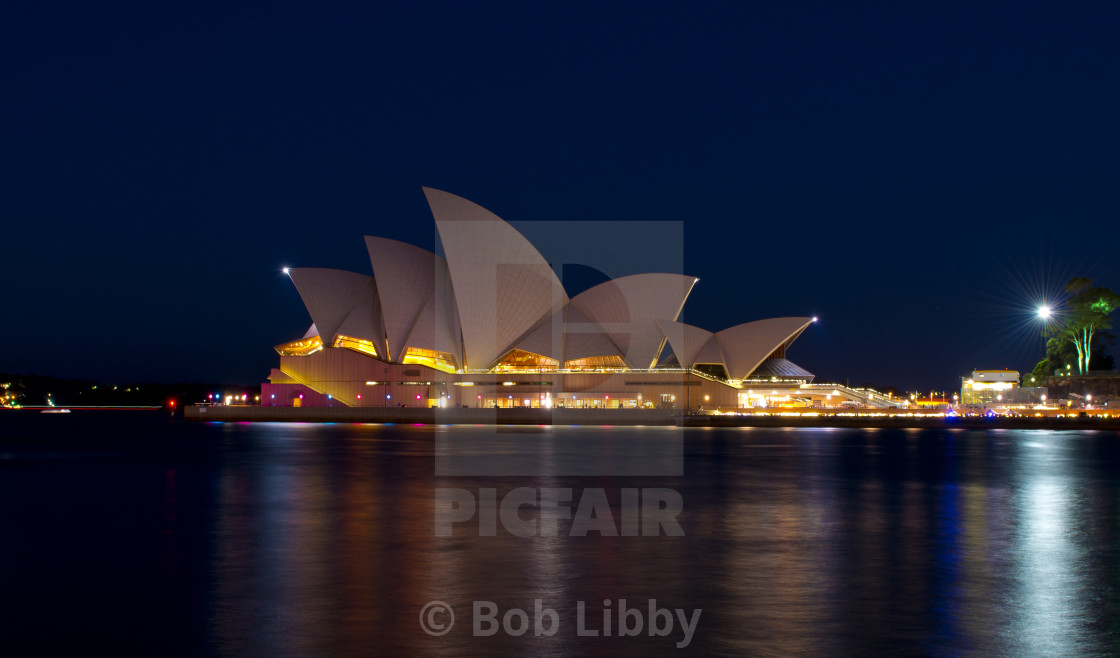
[{"x": 914, "y": 175}]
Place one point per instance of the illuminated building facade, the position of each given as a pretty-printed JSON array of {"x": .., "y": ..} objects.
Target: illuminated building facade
[
  {"x": 999, "y": 388},
  {"x": 989, "y": 387},
  {"x": 491, "y": 325}
]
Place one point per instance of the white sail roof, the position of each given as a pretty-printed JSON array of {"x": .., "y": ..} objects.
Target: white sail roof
[
  {"x": 437, "y": 326},
  {"x": 495, "y": 292},
  {"x": 340, "y": 302},
  {"x": 747, "y": 345},
  {"x": 569, "y": 334},
  {"x": 417, "y": 302},
  {"x": 629, "y": 308},
  {"x": 547, "y": 339},
  {"x": 584, "y": 337},
  {"x": 692, "y": 345},
  {"x": 503, "y": 286}
]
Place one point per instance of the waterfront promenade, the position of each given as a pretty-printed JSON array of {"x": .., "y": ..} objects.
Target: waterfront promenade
[{"x": 1048, "y": 419}]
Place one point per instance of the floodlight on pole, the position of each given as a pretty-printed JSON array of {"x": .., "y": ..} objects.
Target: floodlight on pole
[{"x": 1045, "y": 312}]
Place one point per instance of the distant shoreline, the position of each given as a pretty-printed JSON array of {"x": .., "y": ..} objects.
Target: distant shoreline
[
  {"x": 1105, "y": 420},
  {"x": 637, "y": 417}
]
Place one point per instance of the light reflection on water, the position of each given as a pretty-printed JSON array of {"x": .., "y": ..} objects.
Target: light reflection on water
[{"x": 309, "y": 539}]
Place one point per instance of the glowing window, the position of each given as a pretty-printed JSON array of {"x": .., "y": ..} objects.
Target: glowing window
[
  {"x": 357, "y": 344},
  {"x": 595, "y": 363},
  {"x": 300, "y": 347},
  {"x": 522, "y": 360},
  {"x": 433, "y": 359}
]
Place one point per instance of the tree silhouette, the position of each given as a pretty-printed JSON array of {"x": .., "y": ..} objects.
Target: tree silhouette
[{"x": 1084, "y": 315}]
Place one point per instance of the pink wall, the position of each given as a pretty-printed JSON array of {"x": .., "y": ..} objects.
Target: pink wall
[{"x": 281, "y": 395}]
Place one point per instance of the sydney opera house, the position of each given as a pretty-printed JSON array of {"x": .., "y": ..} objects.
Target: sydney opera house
[{"x": 491, "y": 325}]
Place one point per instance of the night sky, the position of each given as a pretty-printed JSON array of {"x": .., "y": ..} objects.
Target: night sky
[{"x": 917, "y": 176}]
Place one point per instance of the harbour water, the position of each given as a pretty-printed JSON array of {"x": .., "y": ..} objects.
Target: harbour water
[{"x": 131, "y": 533}]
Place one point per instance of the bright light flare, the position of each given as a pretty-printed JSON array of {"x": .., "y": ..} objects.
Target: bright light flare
[{"x": 1045, "y": 312}]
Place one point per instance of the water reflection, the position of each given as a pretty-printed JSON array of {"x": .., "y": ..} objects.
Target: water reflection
[
  {"x": 796, "y": 541},
  {"x": 1051, "y": 559},
  {"x": 319, "y": 539}
]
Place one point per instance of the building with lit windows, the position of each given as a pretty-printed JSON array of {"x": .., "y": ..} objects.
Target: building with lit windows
[
  {"x": 990, "y": 387},
  {"x": 490, "y": 325}
]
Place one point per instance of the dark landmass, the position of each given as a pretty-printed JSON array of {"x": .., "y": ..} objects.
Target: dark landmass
[{"x": 36, "y": 390}]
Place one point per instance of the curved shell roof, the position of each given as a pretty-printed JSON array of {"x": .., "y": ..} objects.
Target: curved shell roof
[
  {"x": 629, "y": 308},
  {"x": 412, "y": 284},
  {"x": 437, "y": 326},
  {"x": 495, "y": 293},
  {"x": 692, "y": 345},
  {"x": 584, "y": 337},
  {"x": 503, "y": 286},
  {"x": 547, "y": 339},
  {"x": 747, "y": 345},
  {"x": 340, "y": 302},
  {"x": 569, "y": 334}
]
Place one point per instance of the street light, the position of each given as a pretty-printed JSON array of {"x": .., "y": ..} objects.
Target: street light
[{"x": 1045, "y": 312}]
